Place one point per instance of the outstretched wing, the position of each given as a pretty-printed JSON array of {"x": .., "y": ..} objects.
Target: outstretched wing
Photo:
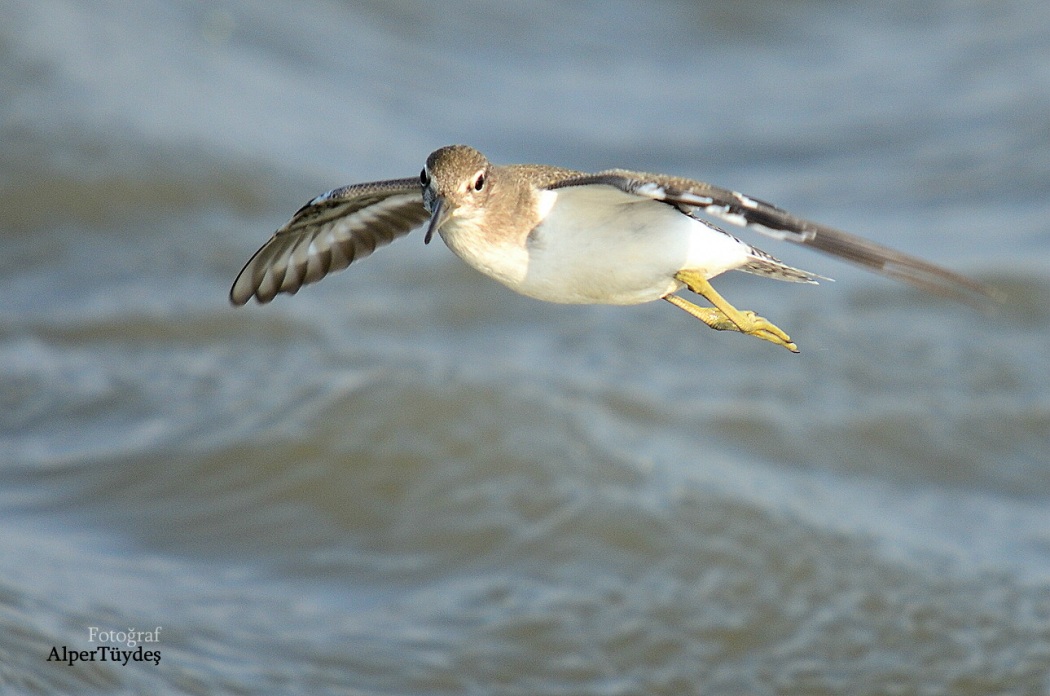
[
  {"x": 739, "y": 209},
  {"x": 328, "y": 234}
]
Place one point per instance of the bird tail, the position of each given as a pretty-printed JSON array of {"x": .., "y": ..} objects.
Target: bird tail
[{"x": 762, "y": 264}]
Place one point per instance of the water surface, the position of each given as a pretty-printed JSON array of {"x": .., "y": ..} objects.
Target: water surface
[{"x": 409, "y": 480}]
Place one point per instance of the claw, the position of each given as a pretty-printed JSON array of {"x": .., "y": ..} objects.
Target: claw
[
  {"x": 724, "y": 316},
  {"x": 765, "y": 329}
]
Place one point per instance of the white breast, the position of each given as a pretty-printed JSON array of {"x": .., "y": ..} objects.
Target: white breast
[
  {"x": 502, "y": 258},
  {"x": 596, "y": 245},
  {"x": 599, "y": 245}
]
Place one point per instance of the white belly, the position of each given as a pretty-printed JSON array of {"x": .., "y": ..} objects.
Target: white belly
[{"x": 598, "y": 245}]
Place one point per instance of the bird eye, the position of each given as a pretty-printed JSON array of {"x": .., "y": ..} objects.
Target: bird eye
[
  {"x": 479, "y": 183},
  {"x": 423, "y": 178}
]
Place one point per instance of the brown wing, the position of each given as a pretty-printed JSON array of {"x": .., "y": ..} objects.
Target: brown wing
[
  {"x": 739, "y": 209},
  {"x": 328, "y": 234}
]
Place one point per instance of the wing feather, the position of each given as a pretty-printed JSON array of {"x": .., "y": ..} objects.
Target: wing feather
[
  {"x": 328, "y": 234},
  {"x": 739, "y": 209}
]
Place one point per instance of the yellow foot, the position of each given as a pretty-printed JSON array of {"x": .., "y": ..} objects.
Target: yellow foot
[{"x": 724, "y": 316}]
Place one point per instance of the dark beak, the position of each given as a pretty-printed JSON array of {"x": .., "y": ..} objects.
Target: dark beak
[{"x": 439, "y": 214}]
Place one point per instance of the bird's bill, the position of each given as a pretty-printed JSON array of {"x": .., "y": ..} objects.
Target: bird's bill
[{"x": 440, "y": 213}]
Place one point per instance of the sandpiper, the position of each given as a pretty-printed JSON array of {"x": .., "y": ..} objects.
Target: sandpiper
[{"x": 616, "y": 237}]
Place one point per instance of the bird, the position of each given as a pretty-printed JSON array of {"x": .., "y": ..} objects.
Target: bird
[{"x": 615, "y": 237}]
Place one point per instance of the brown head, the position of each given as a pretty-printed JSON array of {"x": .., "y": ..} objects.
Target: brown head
[{"x": 455, "y": 177}]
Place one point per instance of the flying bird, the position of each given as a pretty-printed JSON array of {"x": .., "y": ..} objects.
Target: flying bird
[{"x": 616, "y": 237}]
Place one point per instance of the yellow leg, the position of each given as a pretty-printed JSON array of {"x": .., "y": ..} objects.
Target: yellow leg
[{"x": 724, "y": 316}]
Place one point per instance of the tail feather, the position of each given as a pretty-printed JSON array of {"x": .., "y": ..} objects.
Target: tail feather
[{"x": 762, "y": 264}]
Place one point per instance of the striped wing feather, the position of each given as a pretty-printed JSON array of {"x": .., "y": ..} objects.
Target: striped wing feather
[
  {"x": 328, "y": 234},
  {"x": 743, "y": 210}
]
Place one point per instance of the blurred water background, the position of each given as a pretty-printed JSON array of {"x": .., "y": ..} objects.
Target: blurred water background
[{"x": 409, "y": 480}]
